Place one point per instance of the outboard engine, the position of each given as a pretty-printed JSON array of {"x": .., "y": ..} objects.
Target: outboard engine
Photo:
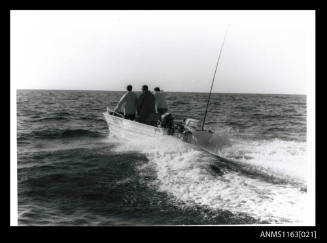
[
  {"x": 167, "y": 121},
  {"x": 192, "y": 124},
  {"x": 189, "y": 126}
]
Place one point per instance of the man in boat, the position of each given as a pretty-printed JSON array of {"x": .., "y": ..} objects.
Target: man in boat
[
  {"x": 129, "y": 101},
  {"x": 160, "y": 103},
  {"x": 146, "y": 107}
]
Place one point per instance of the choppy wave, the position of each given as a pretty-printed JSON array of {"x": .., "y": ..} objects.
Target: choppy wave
[
  {"x": 58, "y": 133},
  {"x": 253, "y": 170},
  {"x": 54, "y": 118}
]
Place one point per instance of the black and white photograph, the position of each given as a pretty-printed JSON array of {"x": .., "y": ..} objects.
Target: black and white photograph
[{"x": 162, "y": 118}]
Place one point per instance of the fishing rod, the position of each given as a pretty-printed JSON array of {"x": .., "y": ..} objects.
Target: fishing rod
[{"x": 213, "y": 80}]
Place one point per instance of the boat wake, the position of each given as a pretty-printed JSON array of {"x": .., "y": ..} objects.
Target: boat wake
[{"x": 193, "y": 177}]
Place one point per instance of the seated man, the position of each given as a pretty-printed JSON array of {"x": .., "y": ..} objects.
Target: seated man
[
  {"x": 146, "y": 106},
  {"x": 129, "y": 101}
]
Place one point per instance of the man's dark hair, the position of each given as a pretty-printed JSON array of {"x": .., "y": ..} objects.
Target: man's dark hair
[
  {"x": 129, "y": 87},
  {"x": 156, "y": 89},
  {"x": 145, "y": 88}
]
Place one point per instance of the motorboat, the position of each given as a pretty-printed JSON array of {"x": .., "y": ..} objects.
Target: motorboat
[{"x": 186, "y": 129}]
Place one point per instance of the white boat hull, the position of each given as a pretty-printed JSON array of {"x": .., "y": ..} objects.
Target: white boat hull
[{"x": 124, "y": 128}]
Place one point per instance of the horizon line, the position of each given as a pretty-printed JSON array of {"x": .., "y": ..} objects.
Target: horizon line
[{"x": 166, "y": 91}]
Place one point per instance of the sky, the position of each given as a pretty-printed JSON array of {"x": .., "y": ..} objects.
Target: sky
[{"x": 264, "y": 51}]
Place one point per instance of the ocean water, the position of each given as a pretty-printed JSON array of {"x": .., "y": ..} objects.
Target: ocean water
[{"x": 71, "y": 171}]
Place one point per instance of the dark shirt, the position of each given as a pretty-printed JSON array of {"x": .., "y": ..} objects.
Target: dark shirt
[{"x": 146, "y": 106}]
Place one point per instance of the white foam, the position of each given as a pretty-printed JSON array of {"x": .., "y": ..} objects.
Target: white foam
[
  {"x": 184, "y": 173},
  {"x": 287, "y": 159}
]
